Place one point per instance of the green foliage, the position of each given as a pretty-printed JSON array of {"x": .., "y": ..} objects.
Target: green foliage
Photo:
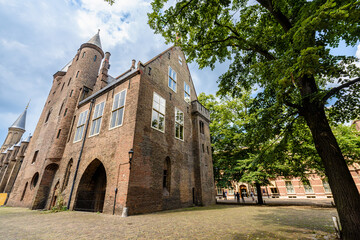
[{"x": 60, "y": 204}]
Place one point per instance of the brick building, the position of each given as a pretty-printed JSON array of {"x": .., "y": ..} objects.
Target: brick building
[{"x": 136, "y": 143}]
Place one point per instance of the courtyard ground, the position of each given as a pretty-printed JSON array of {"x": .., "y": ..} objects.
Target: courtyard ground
[{"x": 214, "y": 222}]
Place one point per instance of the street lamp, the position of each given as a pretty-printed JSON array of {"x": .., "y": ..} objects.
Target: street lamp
[{"x": 131, "y": 154}]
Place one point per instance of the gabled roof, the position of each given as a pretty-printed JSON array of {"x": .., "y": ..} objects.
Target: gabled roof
[{"x": 20, "y": 121}]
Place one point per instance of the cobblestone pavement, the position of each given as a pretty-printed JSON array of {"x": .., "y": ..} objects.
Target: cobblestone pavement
[{"x": 214, "y": 222}]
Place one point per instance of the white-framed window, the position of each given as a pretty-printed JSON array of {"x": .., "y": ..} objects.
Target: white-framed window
[
  {"x": 326, "y": 186},
  {"x": 289, "y": 187},
  {"x": 117, "y": 113},
  {"x": 308, "y": 188},
  {"x": 172, "y": 79},
  {"x": 158, "y": 113},
  {"x": 187, "y": 92},
  {"x": 80, "y": 126},
  {"x": 219, "y": 191},
  {"x": 231, "y": 191},
  {"x": 96, "y": 120},
  {"x": 180, "y": 60},
  {"x": 179, "y": 124}
]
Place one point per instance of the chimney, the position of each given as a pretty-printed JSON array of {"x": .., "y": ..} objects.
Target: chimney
[
  {"x": 133, "y": 64},
  {"x": 101, "y": 81}
]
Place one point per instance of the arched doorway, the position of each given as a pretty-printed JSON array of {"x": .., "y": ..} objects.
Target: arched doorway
[
  {"x": 91, "y": 191},
  {"x": 243, "y": 190},
  {"x": 42, "y": 194}
]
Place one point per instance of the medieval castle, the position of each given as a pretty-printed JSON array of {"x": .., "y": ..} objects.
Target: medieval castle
[{"x": 133, "y": 144}]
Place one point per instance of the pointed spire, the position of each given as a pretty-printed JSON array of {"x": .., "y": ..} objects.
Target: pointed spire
[
  {"x": 96, "y": 39},
  {"x": 20, "y": 121}
]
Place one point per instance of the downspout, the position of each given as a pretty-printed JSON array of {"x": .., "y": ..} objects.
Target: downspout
[{"x": 80, "y": 154}]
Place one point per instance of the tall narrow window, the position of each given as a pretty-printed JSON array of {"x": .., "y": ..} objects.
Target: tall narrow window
[
  {"x": 62, "y": 87},
  {"x": 187, "y": 92},
  {"x": 71, "y": 93},
  {"x": 69, "y": 82},
  {"x": 48, "y": 116},
  {"x": 158, "y": 113},
  {"x": 62, "y": 105},
  {"x": 118, "y": 109},
  {"x": 35, "y": 156},
  {"x": 80, "y": 126},
  {"x": 167, "y": 176},
  {"x": 71, "y": 128},
  {"x": 67, "y": 174},
  {"x": 65, "y": 112},
  {"x": 77, "y": 74},
  {"x": 58, "y": 135},
  {"x": 96, "y": 121},
  {"x": 179, "y": 124},
  {"x": 172, "y": 79},
  {"x": 289, "y": 187},
  {"x": 24, "y": 191},
  {"x": 83, "y": 55},
  {"x": 201, "y": 124},
  {"x": 95, "y": 57},
  {"x": 180, "y": 60}
]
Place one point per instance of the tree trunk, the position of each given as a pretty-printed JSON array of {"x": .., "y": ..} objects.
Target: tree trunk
[
  {"x": 345, "y": 193},
  {"x": 259, "y": 193}
]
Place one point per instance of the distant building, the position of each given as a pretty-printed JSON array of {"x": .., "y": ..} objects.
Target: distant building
[{"x": 136, "y": 143}]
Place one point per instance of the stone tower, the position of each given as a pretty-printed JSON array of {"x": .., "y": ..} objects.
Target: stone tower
[
  {"x": 16, "y": 130},
  {"x": 70, "y": 85}
]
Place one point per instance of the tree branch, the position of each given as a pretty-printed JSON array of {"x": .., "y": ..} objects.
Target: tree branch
[
  {"x": 279, "y": 16},
  {"x": 253, "y": 47},
  {"x": 335, "y": 90}
]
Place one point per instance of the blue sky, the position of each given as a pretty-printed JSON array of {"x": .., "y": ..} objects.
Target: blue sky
[{"x": 38, "y": 38}]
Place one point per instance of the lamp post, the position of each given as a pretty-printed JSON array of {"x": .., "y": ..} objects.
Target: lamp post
[{"x": 131, "y": 154}]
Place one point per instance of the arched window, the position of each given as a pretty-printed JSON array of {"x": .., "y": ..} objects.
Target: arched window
[
  {"x": 23, "y": 194},
  {"x": 167, "y": 175},
  {"x": 67, "y": 174}
]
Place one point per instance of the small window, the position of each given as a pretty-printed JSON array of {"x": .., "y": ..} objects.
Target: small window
[
  {"x": 180, "y": 60},
  {"x": 96, "y": 121},
  {"x": 83, "y": 55},
  {"x": 158, "y": 113},
  {"x": 201, "y": 124},
  {"x": 169, "y": 55},
  {"x": 71, "y": 128},
  {"x": 35, "y": 156},
  {"x": 167, "y": 175},
  {"x": 80, "y": 126},
  {"x": 117, "y": 113},
  {"x": 289, "y": 187},
  {"x": 95, "y": 57},
  {"x": 77, "y": 74},
  {"x": 187, "y": 92},
  {"x": 203, "y": 148},
  {"x": 69, "y": 82},
  {"x": 67, "y": 174},
  {"x": 179, "y": 124},
  {"x": 65, "y": 112},
  {"x": 172, "y": 79},
  {"x": 149, "y": 72},
  {"x": 48, "y": 116},
  {"x": 326, "y": 185},
  {"x": 71, "y": 93},
  {"x": 62, "y": 87},
  {"x": 24, "y": 191},
  {"x": 58, "y": 135},
  {"x": 62, "y": 105},
  {"x": 308, "y": 188}
]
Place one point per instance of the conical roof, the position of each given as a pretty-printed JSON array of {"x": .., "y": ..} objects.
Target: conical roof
[
  {"x": 96, "y": 40},
  {"x": 20, "y": 121}
]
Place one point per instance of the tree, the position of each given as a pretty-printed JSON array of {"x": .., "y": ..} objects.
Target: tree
[{"x": 283, "y": 47}]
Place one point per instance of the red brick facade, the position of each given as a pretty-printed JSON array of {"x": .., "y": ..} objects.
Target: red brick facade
[{"x": 165, "y": 172}]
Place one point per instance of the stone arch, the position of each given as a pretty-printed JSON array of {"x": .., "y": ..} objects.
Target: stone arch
[
  {"x": 43, "y": 192},
  {"x": 92, "y": 187}
]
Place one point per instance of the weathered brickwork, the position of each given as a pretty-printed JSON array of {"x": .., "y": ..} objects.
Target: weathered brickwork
[{"x": 93, "y": 171}]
